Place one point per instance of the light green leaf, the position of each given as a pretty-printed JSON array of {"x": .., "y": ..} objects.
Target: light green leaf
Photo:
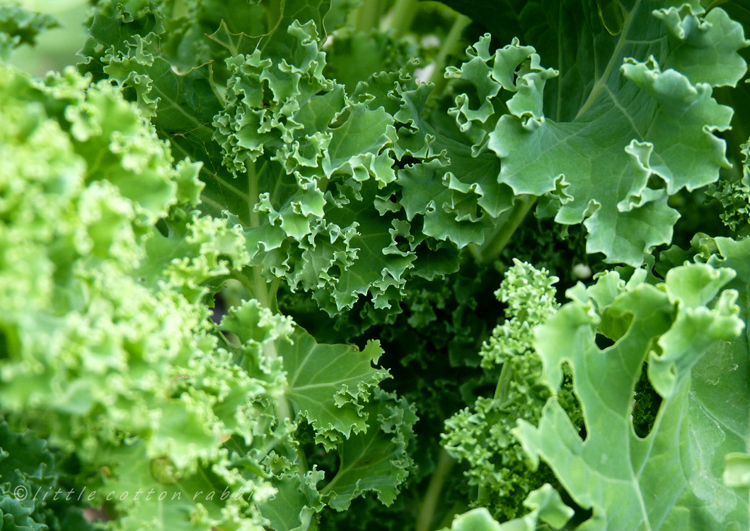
[
  {"x": 546, "y": 506},
  {"x": 737, "y": 472},
  {"x": 648, "y": 116},
  {"x": 628, "y": 481},
  {"x": 475, "y": 520}
]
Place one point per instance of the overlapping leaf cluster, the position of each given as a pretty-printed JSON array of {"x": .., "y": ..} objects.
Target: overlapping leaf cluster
[
  {"x": 481, "y": 435},
  {"x": 151, "y": 310},
  {"x": 94, "y": 348},
  {"x": 27, "y": 467},
  {"x": 109, "y": 351},
  {"x": 343, "y": 195},
  {"x": 674, "y": 327}
]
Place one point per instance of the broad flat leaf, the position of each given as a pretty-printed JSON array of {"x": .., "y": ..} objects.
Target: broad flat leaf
[
  {"x": 328, "y": 384},
  {"x": 375, "y": 461},
  {"x": 295, "y": 503},
  {"x": 632, "y": 110},
  {"x": 726, "y": 374},
  {"x": 662, "y": 481}
]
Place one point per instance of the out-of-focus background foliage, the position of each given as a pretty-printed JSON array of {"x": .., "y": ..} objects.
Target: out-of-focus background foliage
[{"x": 57, "y": 47}]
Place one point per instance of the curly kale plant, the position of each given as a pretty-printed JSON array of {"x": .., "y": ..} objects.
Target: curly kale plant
[
  {"x": 481, "y": 435},
  {"x": 248, "y": 250}
]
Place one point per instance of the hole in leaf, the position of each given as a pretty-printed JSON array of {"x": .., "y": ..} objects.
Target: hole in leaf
[
  {"x": 646, "y": 404},
  {"x": 163, "y": 228},
  {"x": 339, "y": 120},
  {"x": 407, "y": 160},
  {"x": 603, "y": 342},
  {"x": 402, "y": 244},
  {"x": 570, "y": 402},
  {"x": 656, "y": 183}
]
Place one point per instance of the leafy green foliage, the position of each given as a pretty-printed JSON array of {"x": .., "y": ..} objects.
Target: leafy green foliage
[
  {"x": 19, "y": 26},
  {"x": 122, "y": 331},
  {"x": 481, "y": 435},
  {"x": 734, "y": 197},
  {"x": 248, "y": 251},
  {"x": 317, "y": 198},
  {"x": 647, "y": 97},
  {"x": 678, "y": 321},
  {"x": 27, "y": 467},
  {"x": 545, "y": 505}
]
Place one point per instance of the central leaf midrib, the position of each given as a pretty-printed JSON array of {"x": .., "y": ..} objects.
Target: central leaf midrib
[
  {"x": 173, "y": 103},
  {"x": 602, "y": 81}
]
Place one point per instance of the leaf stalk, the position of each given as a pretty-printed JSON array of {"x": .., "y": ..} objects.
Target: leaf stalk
[
  {"x": 430, "y": 502},
  {"x": 451, "y": 46}
]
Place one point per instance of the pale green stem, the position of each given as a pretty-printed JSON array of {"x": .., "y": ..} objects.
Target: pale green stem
[
  {"x": 265, "y": 293},
  {"x": 281, "y": 405},
  {"x": 501, "y": 391},
  {"x": 207, "y": 200},
  {"x": 179, "y": 9},
  {"x": 273, "y": 304},
  {"x": 252, "y": 193},
  {"x": 492, "y": 248},
  {"x": 257, "y": 287},
  {"x": 247, "y": 283},
  {"x": 602, "y": 81},
  {"x": 451, "y": 46},
  {"x": 342, "y": 466},
  {"x": 260, "y": 290},
  {"x": 283, "y": 410},
  {"x": 432, "y": 496},
  {"x": 367, "y": 16},
  {"x": 402, "y": 16}
]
